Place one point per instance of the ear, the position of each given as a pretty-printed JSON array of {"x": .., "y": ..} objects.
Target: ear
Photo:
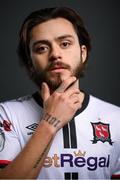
[{"x": 83, "y": 53}]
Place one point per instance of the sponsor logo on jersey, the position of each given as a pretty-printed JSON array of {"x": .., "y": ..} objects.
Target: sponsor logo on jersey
[
  {"x": 77, "y": 159},
  {"x": 101, "y": 132},
  {"x": 32, "y": 127}
]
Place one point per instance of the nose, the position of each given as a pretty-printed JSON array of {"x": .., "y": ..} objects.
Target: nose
[{"x": 55, "y": 53}]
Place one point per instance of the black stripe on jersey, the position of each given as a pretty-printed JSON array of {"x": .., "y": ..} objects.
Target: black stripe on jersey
[
  {"x": 73, "y": 136},
  {"x": 69, "y": 135},
  {"x": 66, "y": 136},
  {"x": 71, "y": 176}
]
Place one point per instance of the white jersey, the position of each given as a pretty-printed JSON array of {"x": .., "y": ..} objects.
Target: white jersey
[{"x": 88, "y": 147}]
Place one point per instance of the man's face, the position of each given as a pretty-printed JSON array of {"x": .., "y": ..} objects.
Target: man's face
[{"x": 55, "y": 52}]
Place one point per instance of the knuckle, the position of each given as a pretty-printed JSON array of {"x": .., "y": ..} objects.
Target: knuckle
[
  {"x": 56, "y": 94},
  {"x": 62, "y": 97},
  {"x": 77, "y": 91}
]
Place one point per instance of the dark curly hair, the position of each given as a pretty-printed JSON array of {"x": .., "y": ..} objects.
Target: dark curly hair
[{"x": 41, "y": 16}]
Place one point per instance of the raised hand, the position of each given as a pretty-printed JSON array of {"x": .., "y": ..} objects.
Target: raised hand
[{"x": 61, "y": 105}]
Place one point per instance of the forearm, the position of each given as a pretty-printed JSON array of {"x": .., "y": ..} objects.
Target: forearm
[
  {"x": 29, "y": 162},
  {"x": 38, "y": 164}
]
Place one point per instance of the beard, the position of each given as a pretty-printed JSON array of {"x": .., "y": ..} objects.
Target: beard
[{"x": 54, "y": 80}]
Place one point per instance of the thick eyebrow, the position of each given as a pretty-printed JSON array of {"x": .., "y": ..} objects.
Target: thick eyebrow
[
  {"x": 65, "y": 36},
  {"x": 45, "y": 41}
]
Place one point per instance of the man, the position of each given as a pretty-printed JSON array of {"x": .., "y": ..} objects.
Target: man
[{"x": 60, "y": 132}]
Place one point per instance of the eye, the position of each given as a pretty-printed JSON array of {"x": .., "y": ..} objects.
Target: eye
[
  {"x": 41, "y": 49},
  {"x": 65, "y": 44}
]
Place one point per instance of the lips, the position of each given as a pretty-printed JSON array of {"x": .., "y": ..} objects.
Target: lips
[{"x": 56, "y": 67}]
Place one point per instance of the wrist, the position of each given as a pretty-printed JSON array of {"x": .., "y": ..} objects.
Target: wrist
[
  {"x": 52, "y": 120},
  {"x": 48, "y": 128}
]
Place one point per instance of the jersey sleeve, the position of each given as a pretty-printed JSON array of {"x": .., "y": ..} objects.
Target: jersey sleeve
[
  {"x": 116, "y": 173},
  {"x": 9, "y": 141}
]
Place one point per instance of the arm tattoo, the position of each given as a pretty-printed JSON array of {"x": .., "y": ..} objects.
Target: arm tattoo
[
  {"x": 42, "y": 155},
  {"x": 51, "y": 120}
]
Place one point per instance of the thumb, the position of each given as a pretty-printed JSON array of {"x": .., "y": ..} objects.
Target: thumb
[{"x": 45, "y": 92}]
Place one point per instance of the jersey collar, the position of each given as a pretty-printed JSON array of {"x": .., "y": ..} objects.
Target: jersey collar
[{"x": 36, "y": 96}]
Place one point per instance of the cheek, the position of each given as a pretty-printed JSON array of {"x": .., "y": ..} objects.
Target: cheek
[
  {"x": 75, "y": 60},
  {"x": 38, "y": 63},
  {"x": 74, "y": 54}
]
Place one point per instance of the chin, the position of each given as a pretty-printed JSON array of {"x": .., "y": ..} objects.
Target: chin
[{"x": 65, "y": 76}]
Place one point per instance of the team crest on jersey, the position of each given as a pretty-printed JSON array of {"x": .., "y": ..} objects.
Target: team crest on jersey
[{"x": 101, "y": 132}]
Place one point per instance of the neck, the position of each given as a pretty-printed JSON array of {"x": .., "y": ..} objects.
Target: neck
[{"x": 82, "y": 95}]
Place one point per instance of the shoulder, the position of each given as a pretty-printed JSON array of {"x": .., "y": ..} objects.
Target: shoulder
[
  {"x": 19, "y": 105},
  {"x": 103, "y": 105},
  {"x": 17, "y": 102}
]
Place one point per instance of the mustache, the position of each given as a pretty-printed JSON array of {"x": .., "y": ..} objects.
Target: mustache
[{"x": 53, "y": 65}]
